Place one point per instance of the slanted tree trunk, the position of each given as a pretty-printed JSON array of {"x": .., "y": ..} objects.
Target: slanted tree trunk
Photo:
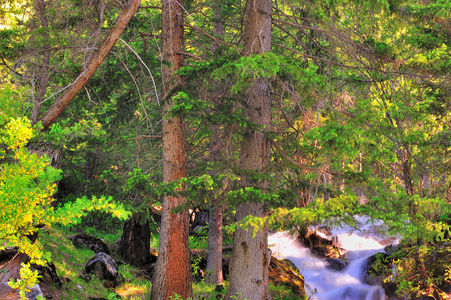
[
  {"x": 214, "y": 259},
  {"x": 128, "y": 11},
  {"x": 173, "y": 271},
  {"x": 134, "y": 246},
  {"x": 251, "y": 256}
]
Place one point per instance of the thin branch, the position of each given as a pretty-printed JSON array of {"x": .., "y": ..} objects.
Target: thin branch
[
  {"x": 138, "y": 137},
  {"x": 15, "y": 249},
  {"x": 148, "y": 70},
  {"x": 291, "y": 160},
  {"x": 72, "y": 90},
  {"x": 153, "y": 7},
  {"x": 191, "y": 55},
  {"x": 219, "y": 41},
  {"x": 136, "y": 84},
  {"x": 316, "y": 57},
  {"x": 302, "y": 26},
  {"x": 119, "y": 3}
]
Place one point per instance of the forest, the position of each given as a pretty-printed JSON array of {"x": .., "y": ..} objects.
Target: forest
[{"x": 177, "y": 135}]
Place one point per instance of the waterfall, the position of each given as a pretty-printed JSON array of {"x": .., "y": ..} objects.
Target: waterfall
[{"x": 322, "y": 283}]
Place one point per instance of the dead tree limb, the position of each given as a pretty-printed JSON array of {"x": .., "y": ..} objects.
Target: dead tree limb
[{"x": 72, "y": 90}]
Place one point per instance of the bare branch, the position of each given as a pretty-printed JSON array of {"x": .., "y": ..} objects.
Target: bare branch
[
  {"x": 148, "y": 70},
  {"x": 138, "y": 138},
  {"x": 291, "y": 160},
  {"x": 153, "y": 7},
  {"x": 72, "y": 90},
  {"x": 219, "y": 41},
  {"x": 120, "y": 4}
]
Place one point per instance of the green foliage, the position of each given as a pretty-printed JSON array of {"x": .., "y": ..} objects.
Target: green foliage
[
  {"x": 28, "y": 278},
  {"x": 281, "y": 292},
  {"x": 436, "y": 60},
  {"x": 199, "y": 240},
  {"x": 11, "y": 43},
  {"x": 68, "y": 133},
  {"x": 12, "y": 103},
  {"x": 26, "y": 189},
  {"x": 250, "y": 195},
  {"x": 72, "y": 212},
  {"x": 439, "y": 8},
  {"x": 416, "y": 270},
  {"x": 412, "y": 217},
  {"x": 266, "y": 65},
  {"x": 195, "y": 261},
  {"x": 335, "y": 212}
]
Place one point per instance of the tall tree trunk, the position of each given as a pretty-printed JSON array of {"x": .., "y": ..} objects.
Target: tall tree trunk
[
  {"x": 128, "y": 11},
  {"x": 251, "y": 256},
  {"x": 214, "y": 259},
  {"x": 173, "y": 273}
]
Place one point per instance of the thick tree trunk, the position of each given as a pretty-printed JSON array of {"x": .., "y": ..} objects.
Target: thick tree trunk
[
  {"x": 251, "y": 256},
  {"x": 173, "y": 272},
  {"x": 134, "y": 246},
  {"x": 72, "y": 90},
  {"x": 214, "y": 259}
]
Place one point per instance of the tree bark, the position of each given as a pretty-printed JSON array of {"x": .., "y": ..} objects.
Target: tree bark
[
  {"x": 214, "y": 259},
  {"x": 72, "y": 90},
  {"x": 134, "y": 246},
  {"x": 251, "y": 256},
  {"x": 405, "y": 176},
  {"x": 173, "y": 271}
]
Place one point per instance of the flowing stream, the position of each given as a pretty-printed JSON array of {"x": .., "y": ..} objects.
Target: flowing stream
[{"x": 322, "y": 283}]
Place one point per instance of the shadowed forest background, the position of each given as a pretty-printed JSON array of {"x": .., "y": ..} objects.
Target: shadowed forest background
[{"x": 182, "y": 132}]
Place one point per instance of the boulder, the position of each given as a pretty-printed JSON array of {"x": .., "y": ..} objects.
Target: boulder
[
  {"x": 382, "y": 274},
  {"x": 337, "y": 264},
  {"x": 320, "y": 246},
  {"x": 34, "y": 292},
  {"x": 104, "y": 267},
  {"x": 87, "y": 241},
  {"x": 198, "y": 220},
  {"x": 48, "y": 274},
  {"x": 282, "y": 273},
  {"x": 7, "y": 293}
]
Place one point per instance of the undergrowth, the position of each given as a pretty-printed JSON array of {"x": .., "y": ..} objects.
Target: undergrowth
[{"x": 70, "y": 263}]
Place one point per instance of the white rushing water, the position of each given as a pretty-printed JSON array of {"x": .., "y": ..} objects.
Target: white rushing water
[{"x": 325, "y": 284}]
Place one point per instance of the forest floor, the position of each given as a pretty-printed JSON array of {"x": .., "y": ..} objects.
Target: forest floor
[{"x": 70, "y": 265}]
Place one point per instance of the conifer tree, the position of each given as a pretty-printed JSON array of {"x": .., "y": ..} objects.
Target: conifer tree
[{"x": 251, "y": 256}]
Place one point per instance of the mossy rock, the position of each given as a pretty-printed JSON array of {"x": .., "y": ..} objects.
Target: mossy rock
[{"x": 281, "y": 272}]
